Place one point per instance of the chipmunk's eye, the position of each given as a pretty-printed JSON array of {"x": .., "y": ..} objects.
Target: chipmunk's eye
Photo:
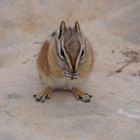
[
  {"x": 62, "y": 53},
  {"x": 82, "y": 54}
]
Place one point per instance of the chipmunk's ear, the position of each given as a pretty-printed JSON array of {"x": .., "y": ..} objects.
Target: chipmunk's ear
[
  {"x": 62, "y": 29},
  {"x": 77, "y": 27}
]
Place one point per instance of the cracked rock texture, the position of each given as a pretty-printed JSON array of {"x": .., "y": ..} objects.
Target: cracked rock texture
[{"x": 113, "y": 28}]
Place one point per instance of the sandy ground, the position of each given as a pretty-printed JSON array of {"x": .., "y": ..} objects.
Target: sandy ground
[{"x": 113, "y": 28}]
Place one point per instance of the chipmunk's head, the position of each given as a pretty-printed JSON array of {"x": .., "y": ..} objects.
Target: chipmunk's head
[{"x": 71, "y": 49}]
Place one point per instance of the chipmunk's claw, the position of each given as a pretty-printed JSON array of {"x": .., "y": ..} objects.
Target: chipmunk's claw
[{"x": 41, "y": 97}]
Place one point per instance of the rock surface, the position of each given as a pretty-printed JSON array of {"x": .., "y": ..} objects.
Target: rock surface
[{"x": 114, "y": 31}]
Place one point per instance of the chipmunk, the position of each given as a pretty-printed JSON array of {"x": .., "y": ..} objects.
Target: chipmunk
[{"x": 65, "y": 62}]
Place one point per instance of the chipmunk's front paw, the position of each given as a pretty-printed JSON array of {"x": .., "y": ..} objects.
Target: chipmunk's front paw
[
  {"x": 80, "y": 95},
  {"x": 41, "y": 97}
]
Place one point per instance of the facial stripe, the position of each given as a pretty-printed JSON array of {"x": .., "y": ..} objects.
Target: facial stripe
[
  {"x": 79, "y": 56},
  {"x": 61, "y": 46},
  {"x": 69, "y": 62}
]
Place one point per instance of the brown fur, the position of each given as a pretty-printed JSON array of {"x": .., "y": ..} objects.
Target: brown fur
[
  {"x": 86, "y": 67},
  {"x": 42, "y": 59},
  {"x": 47, "y": 62}
]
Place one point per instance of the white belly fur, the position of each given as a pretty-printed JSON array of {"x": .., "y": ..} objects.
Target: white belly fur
[{"x": 60, "y": 83}]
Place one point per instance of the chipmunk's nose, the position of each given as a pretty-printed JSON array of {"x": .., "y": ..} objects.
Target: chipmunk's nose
[{"x": 73, "y": 67}]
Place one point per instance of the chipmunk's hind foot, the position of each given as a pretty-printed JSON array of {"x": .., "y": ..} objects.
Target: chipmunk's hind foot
[
  {"x": 80, "y": 95},
  {"x": 41, "y": 97}
]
